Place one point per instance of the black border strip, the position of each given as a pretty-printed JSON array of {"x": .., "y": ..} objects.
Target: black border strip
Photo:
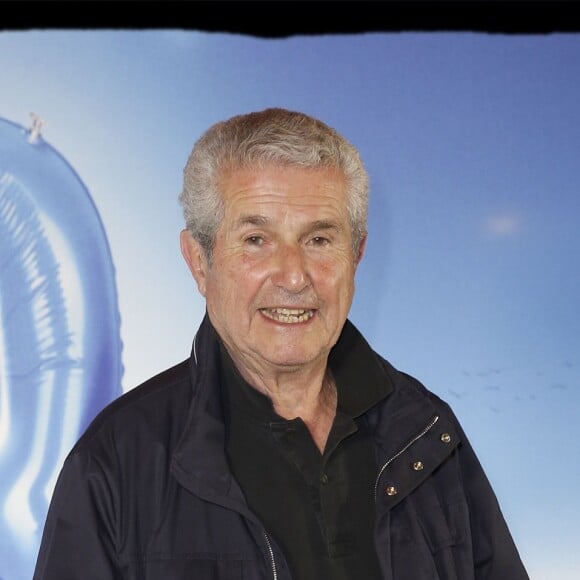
[{"x": 277, "y": 19}]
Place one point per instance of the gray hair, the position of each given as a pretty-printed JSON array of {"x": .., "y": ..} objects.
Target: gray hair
[{"x": 273, "y": 136}]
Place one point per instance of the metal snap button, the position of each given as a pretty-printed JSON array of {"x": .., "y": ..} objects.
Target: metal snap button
[
  {"x": 391, "y": 490},
  {"x": 446, "y": 438}
]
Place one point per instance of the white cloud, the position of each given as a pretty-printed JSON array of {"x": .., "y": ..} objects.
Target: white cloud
[{"x": 502, "y": 225}]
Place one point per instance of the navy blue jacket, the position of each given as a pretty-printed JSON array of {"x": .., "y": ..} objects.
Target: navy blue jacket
[{"x": 146, "y": 493}]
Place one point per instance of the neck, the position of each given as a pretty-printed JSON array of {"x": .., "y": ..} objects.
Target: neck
[{"x": 309, "y": 394}]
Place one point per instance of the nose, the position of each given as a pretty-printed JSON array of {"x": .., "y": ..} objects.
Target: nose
[{"x": 290, "y": 271}]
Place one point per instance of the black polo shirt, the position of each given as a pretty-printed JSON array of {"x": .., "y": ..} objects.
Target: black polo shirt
[{"x": 319, "y": 508}]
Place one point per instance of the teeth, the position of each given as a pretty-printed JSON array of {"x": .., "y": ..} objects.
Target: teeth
[{"x": 288, "y": 315}]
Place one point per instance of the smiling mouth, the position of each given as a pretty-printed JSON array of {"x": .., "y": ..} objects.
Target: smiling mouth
[{"x": 288, "y": 315}]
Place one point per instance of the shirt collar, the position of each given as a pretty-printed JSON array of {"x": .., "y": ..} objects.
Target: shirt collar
[{"x": 360, "y": 379}]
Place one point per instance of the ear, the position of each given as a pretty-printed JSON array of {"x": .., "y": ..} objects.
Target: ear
[
  {"x": 361, "y": 250},
  {"x": 196, "y": 260}
]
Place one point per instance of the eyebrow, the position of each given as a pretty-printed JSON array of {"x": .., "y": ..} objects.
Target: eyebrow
[
  {"x": 325, "y": 225},
  {"x": 251, "y": 220},
  {"x": 260, "y": 220}
]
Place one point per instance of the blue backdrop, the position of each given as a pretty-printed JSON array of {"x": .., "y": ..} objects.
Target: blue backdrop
[{"x": 470, "y": 281}]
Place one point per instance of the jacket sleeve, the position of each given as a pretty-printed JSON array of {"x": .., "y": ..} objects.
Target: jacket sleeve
[
  {"x": 78, "y": 541},
  {"x": 495, "y": 554}
]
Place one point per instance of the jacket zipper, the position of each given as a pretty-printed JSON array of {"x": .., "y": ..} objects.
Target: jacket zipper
[
  {"x": 426, "y": 429},
  {"x": 271, "y": 552}
]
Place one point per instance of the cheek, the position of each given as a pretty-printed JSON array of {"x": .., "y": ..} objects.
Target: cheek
[
  {"x": 334, "y": 274},
  {"x": 249, "y": 273},
  {"x": 235, "y": 281}
]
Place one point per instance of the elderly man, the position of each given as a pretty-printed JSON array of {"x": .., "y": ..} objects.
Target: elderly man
[{"x": 285, "y": 448}]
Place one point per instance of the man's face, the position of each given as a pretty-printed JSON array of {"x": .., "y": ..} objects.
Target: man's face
[{"x": 281, "y": 280}]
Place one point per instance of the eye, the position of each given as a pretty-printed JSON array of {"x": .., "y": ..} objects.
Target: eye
[
  {"x": 254, "y": 240},
  {"x": 319, "y": 241}
]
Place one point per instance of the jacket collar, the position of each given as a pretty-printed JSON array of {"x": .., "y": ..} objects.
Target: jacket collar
[
  {"x": 199, "y": 461},
  {"x": 360, "y": 378}
]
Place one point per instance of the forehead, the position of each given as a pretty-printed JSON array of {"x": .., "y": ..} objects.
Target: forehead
[{"x": 288, "y": 187}]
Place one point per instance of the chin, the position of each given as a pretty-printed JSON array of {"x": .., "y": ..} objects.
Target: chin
[{"x": 291, "y": 359}]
